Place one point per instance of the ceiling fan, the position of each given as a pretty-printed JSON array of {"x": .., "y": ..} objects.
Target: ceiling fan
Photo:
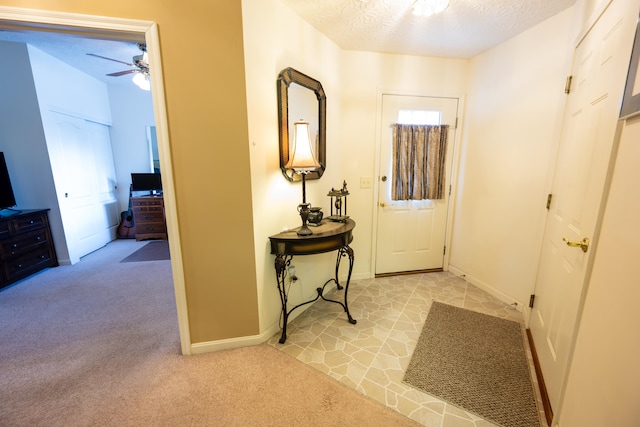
[{"x": 140, "y": 67}]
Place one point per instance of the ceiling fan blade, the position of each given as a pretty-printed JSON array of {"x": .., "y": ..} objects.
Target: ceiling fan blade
[
  {"x": 111, "y": 59},
  {"x": 122, "y": 73}
]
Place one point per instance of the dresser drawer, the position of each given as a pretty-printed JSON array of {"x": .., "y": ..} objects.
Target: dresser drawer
[
  {"x": 29, "y": 222},
  {"x": 145, "y": 209},
  {"x": 146, "y": 202},
  {"x": 144, "y": 217},
  {"x": 4, "y": 230},
  {"x": 27, "y": 264},
  {"x": 150, "y": 228},
  {"x": 23, "y": 243}
]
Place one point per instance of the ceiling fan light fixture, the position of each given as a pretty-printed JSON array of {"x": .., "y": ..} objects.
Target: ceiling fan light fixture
[
  {"x": 429, "y": 7},
  {"x": 142, "y": 81}
]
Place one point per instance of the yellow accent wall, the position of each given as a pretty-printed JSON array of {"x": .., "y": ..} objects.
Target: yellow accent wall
[{"x": 204, "y": 81}]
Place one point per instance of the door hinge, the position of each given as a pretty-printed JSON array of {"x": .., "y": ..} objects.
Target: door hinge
[
  {"x": 531, "y": 299},
  {"x": 567, "y": 85},
  {"x": 444, "y": 252},
  {"x": 449, "y": 190},
  {"x": 456, "y": 125},
  {"x": 549, "y": 197}
]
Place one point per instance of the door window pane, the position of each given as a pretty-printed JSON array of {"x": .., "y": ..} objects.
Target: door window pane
[{"x": 419, "y": 117}]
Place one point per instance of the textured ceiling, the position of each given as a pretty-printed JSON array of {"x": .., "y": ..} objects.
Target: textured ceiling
[
  {"x": 73, "y": 50},
  {"x": 465, "y": 29}
]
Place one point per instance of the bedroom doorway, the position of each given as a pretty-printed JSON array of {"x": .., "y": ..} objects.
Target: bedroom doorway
[{"x": 116, "y": 28}]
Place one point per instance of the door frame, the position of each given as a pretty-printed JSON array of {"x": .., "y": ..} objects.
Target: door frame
[
  {"x": 453, "y": 173},
  {"x": 38, "y": 20}
]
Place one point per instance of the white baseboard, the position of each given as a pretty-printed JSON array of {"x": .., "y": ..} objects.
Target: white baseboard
[
  {"x": 518, "y": 305},
  {"x": 212, "y": 346},
  {"x": 357, "y": 276}
]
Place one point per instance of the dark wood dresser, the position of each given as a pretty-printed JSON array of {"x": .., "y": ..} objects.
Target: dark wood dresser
[
  {"x": 148, "y": 217},
  {"x": 26, "y": 246}
]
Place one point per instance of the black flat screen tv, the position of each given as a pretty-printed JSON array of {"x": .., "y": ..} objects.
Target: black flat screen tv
[
  {"x": 146, "y": 182},
  {"x": 7, "y": 199}
]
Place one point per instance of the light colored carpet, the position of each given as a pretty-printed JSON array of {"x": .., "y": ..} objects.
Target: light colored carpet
[
  {"x": 96, "y": 344},
  {"x": 476, "y": 362}
]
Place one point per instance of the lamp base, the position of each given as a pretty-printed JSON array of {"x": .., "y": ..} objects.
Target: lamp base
[{"x": 304, "y": 210}]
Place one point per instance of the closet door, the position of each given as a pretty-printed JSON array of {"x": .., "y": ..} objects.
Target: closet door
[
  {"x": 84, "y": 175},
  {"x": 106, "y": 182}
]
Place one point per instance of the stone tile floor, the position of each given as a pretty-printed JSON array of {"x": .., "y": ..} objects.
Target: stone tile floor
[{"x": 372, "y": 355}]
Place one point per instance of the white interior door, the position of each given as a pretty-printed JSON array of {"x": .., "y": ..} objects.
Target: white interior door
[
  {"x": 83, "y": 168},
  {"x": 411, "y": 234},
  {"x": 106, "y": 180},
  {"x": 588, "y": 134}
]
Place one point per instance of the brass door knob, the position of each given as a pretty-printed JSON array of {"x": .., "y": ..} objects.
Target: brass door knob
[
  {"x": 584, "y": 244},
  {"x": 383, "y": 204}
]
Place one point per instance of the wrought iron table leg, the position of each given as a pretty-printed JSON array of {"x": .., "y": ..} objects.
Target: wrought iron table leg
[
  {"x": 345, "y": 251},
  {"x": 281, "y": 264}
]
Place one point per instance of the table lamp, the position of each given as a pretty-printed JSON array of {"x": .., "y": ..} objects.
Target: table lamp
[{"x": 302, "y": 161}]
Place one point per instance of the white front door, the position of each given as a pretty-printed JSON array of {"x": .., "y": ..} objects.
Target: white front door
[
  {"x": 411, "y": 234},
  {"x": 588, "y": 134}
]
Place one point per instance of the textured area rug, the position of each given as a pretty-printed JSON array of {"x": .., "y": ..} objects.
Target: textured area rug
[
  {"x": 153, "y": 251},
  {"x": 476, "y": 362}
]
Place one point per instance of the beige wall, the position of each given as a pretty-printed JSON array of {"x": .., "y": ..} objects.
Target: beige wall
[
  {"x": 511, "y": 128},
  {"x": 603, "y": 383},
  {"x": 203, "y": 65},
  {"x": 366, "y": 76},
  {"x": 276, "y": 38}
]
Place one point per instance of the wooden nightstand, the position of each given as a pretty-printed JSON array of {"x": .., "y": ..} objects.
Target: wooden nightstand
[{"x": 148, "y": 217}]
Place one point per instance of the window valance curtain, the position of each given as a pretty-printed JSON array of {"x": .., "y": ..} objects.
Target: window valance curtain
[{"x": 419, "y": 153}]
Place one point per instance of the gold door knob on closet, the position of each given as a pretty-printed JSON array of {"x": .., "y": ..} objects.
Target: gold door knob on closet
[
  {"x": 383, "y": 204},
  {"x": 584, "y": 244}
]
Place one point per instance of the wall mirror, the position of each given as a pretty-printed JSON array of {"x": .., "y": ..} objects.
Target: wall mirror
[
  {"x": 154, "y": 157},
  {"x": 301, "y": 98}
]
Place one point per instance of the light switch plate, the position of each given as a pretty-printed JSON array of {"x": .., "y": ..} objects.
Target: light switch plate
[{"x": 365, "y": 182}]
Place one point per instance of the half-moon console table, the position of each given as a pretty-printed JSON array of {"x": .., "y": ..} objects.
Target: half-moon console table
[{"x": 327, "y": 237}]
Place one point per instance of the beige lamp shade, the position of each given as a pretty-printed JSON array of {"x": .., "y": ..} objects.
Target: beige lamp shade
[{"x": 302, "y": 158}]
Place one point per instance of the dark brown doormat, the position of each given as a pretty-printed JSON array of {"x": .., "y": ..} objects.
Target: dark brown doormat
[
  {"x": 476, "y": 362},
  {"x": 157, "y": 250}
]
